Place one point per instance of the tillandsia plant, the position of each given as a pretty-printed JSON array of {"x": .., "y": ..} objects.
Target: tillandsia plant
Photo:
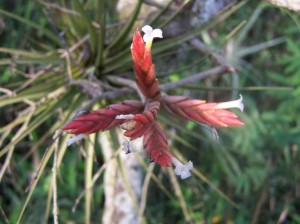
[{"x": 138, "y": 118}]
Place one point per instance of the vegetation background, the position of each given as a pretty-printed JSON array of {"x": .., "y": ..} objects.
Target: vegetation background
[{"x": 60, "y": 57}]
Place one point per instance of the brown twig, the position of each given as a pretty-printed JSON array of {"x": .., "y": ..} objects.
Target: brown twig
[
  {"x": 291, "y": 5},
  {"x": 283, "y": 216},
  {"x": 90, "y": 88},
  {"x": 107, "y": 95},
  {"x": 200, "y": 46},
  {"x": 126, "y": 82},
  {"x": 120, "y": 92},
  {"x": 54, "y": 182},
  {"x": 66, "y": 53},
  {"x": 153, "y": 3},
  {"x": 58, "y": 7},
  {"x": 258, "y": 208},
  {"x": 194, "y": 78},
  {"x": 4, "y": 217}
]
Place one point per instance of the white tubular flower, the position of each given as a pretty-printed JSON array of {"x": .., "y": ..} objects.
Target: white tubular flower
[
  {"x": 126, "y": 147},
  {"x": 215, "y": 133},
  {"x": 124, "y": 116},
  {"x": 133, "y": 146},
  {"x": 182, "y": 170},
  {"x": 232, "y": 104},
  {"x": 75, "y": 138},
  {"x": 150, "y": 34},
  {"x": 129, "y": 124}
]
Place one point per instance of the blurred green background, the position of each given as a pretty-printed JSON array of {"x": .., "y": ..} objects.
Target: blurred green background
[{"x": 56, "y": 58}]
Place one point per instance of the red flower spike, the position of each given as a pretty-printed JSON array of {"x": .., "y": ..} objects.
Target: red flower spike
[
  {"x": 144, "y": 68},
  {"x": 156, "y": 145},
  {"x": 102, "y": 119},
  {"x": 138, "y": 119},
  {"x": 142, "y": 122},
  {"x": 202, "y": 112}
]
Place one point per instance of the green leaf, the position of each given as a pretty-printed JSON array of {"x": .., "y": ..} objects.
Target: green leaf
[
  {"x": 48, "y": 33},
  {"x": 86, "y": 22},
  {"x": 123, "y": 34},
  {"x": 101, "y": 41}
]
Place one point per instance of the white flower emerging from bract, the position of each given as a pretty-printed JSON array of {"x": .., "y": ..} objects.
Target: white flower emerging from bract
[
  {"x": 126, "y": 146},
  {"x": 135, "y": 145},
  {"x": 182, "y": 170},
  {"x": 75, "y": 138},
  {"x": 129, "y": 124},
  {"x": 124, "y": 116},
  {"x": 150, "y": 34},
  {"x": 215, "y": 133},
  {"x": 232, "y": 104}
]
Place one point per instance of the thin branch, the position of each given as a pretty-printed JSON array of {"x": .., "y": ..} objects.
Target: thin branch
[
  {"x": 54, "y": 183},
  {"x": 194, "y": 78},
  {"x": 291, "y": 5},
  {"x": 145, "y": 190},
  {"x": 4, "y": 216},
  {"x": 114, "y": 94},
  {"x": 58, "y": 7},
  {"x": 203, "y": 48},
  {"x": 95, "y": 178},
  {"x": 127, "y": 82},
  {"x": 179, "y": 196},
  {"x": 108, "y": 95},
  {"x": 76, "y": 45},
  {"x": 89, "y": 178},
  {"x": 258, "y": 47},
  {"x": 92, "y": 89},
  {"x": 7, "y": 92},
  {"x": 61, "y": 36},
  {"x": 283, "y": 216},
  {"x": 153, "y": 3},
  {"x": 120, "y": 92},
  {"x": 24, "y": 126}
]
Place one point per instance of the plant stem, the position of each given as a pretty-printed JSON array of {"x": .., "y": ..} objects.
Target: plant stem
[
  {"x": 89, "y": 179},
  {"x": 54, "y": 184},
  {"x": 194, "y": 78}
]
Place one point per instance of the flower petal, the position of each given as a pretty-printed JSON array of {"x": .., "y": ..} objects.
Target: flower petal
[
  {"x": 124, "y": 116},
  {"x": 157, "y": 33},
  {"x": 232, "y": 104},
  {"x": 147, "y": 29},
  {"x": 182, "y": 170},
  {"x": 147, "y": 38},
  {"x": 150, "y": 34}
]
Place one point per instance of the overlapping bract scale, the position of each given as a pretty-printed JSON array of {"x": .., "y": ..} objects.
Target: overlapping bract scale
[
  {"x": 144, "y": 68},
  {"x": 144, "y": 121},
  {"x": 103, "y": 119},
  {"x": 156, "y": 144},
  {"x": 200, "y": 111}
]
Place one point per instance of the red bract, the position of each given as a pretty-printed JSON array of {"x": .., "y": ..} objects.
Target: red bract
[
  {"x": 138, "y": 119},
  {"x": 103, "y": 119},
  {"x": 156, "y": 144},
  {"x": 142, "y": 122},
  {"x": 200, "y": 111},
  {"x": 144, "y": 68}
]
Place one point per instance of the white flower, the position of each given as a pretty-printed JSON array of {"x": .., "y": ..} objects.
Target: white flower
[
  {"x": 129, "y": 124},
  {"x": 126, "y": 146},
  {"x": 232, "y": 104},
  {"x": 135, "y": 145},
  {"x": 124, "y": 116},
  {"x": 182, "y": 170},
  {"x": 75, "y": 138},
  {"x": 215, "y": 133},
  {"x": 150, "y": 34}
]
